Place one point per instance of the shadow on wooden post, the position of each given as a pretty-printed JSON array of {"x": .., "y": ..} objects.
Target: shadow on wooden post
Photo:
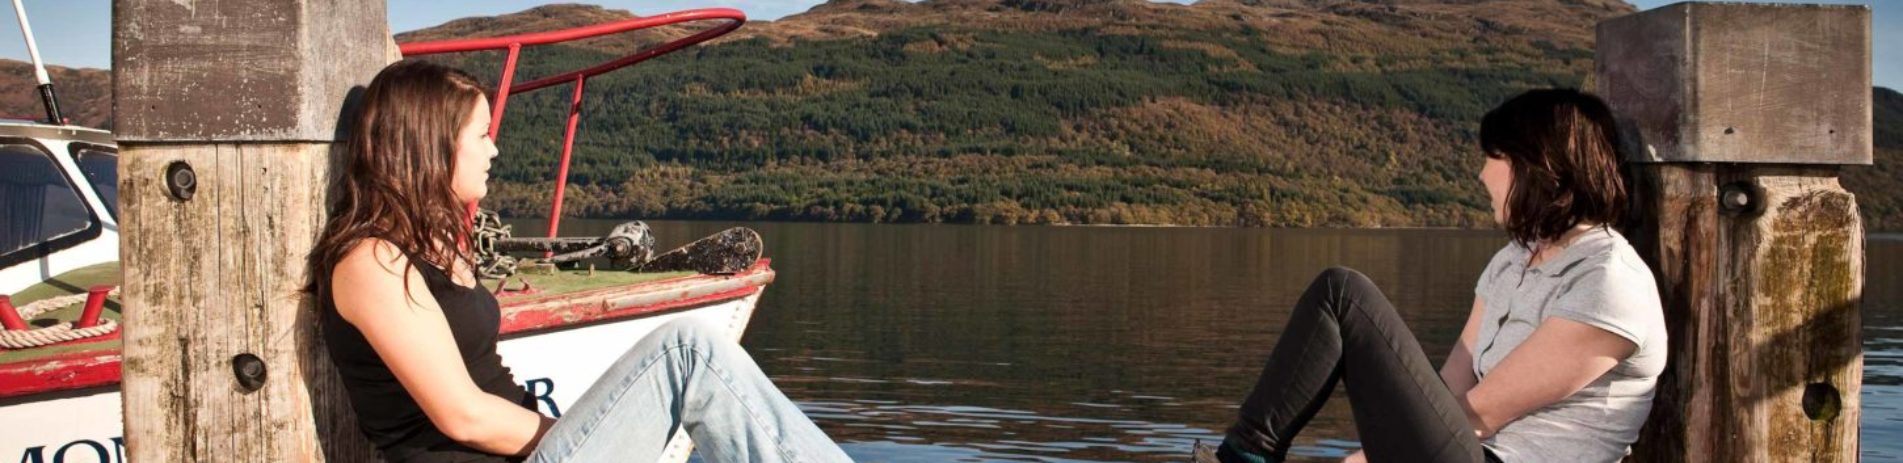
[
  {"x": 240, "y": 100},
  {"x": 1738, "y": 118}
]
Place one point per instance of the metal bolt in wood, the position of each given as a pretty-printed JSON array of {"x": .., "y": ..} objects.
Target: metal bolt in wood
[
  {"x": 250, "y": 371},
  {"x": 180, "y": 180}
]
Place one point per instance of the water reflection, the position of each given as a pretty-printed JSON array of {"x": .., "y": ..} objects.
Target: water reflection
[
  {"x": 922, "y": 343},
  {"x": 1882, "y": 431}
]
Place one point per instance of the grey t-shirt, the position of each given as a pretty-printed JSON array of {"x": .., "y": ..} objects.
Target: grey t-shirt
[{"x": 1598, "y": 280}]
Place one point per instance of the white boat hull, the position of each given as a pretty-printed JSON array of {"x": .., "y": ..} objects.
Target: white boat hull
[
  {"x": 556, "y": 366},
  {"x": 79, "y": 428}
]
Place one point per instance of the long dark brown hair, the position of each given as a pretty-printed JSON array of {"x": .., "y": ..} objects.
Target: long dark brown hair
[
  {"x": 399, "y": 154},
  {"x": 1565, "y": 152}
]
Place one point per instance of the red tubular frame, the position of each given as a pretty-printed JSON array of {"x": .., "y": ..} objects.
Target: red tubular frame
[
  {"x": 495, "y": 117},
  {"x": 514, "y": 44},
  {"x": 561, "y": 172}
]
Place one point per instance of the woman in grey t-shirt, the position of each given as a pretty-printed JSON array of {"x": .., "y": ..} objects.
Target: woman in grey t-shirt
[{"x": 1559, "y": 357}]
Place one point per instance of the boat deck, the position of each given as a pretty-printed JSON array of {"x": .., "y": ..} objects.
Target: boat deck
[{"x": 74, "y": 282}]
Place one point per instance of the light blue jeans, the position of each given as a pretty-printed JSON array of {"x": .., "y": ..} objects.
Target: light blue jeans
[{"x": 685, "y": 374}]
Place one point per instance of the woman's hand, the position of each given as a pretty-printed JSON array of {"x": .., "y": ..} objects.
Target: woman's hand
[{"x": 1356, "y": 457}]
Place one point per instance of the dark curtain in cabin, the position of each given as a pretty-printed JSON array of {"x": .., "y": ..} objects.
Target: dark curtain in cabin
[
  {"x": 101, "y": 168},
  {"x": 37, "y": 204}
]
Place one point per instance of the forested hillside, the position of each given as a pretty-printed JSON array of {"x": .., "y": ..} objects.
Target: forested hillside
[
  {"x": 1032, "y": 111},
  {"x": 1222, "y": 112}
]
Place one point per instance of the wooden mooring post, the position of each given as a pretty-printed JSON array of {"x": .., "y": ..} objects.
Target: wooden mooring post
[
  {"x": 1740, "y": 117},
  {"x": 225, "y": 114}
]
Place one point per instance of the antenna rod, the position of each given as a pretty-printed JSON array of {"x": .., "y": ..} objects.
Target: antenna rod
[{"x": 39, "y": 68}]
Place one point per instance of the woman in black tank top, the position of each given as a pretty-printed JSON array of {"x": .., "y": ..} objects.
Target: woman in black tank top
[
  {"x": 413, "y": 332},
  {"x": 388, "y": 416}
]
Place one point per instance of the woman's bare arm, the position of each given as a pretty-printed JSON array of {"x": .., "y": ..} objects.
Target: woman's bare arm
[
  {"x": 411, "y": 336},
  {"x": 1458, "y": 370},
  {"x": 1559, "y": 358}
]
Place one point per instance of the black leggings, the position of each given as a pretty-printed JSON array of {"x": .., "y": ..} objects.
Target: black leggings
[{"x": 1344, "y": 329}]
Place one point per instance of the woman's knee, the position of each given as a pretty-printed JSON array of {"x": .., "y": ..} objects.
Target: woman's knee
[
  {"x": 681, "y": 339},
  {"x": 1343, "y": 281},
  {"x": 1343, "y": 288},
  {"x": 688, "y": 330}
]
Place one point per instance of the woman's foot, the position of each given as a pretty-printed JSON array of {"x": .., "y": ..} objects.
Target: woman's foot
[
  {"x": 1224, "y": 453},
  {"x": 1203, "y": 453}
]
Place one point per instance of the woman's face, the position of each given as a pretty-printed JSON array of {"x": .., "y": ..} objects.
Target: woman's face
[
  {"x": 1497, "y": 175},
  {"x": 474, "y": 149}
]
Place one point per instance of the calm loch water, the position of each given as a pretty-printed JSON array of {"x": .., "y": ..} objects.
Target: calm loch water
[{"x": 934, "y": 343}]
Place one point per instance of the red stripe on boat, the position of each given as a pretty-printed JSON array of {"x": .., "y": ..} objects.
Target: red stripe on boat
[
  {"x": 584, "y": 313},
  {"x": 592, "y": 306},
  {"x": 100, "y": 367},
  {"x": 76, "y": 370}
]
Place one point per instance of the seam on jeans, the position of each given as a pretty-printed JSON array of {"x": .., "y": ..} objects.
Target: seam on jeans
[
  {"x": 726, "y": 382},
  {"x": 613, "y": 400},
  {"x": 1388, "y": 339},
  {"x": 1314, "y": 403}
]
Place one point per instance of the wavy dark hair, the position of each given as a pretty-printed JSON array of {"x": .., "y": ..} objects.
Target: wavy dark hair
[
  {"x": 1565, "y": 153},
  {"x": 399, "y": 154}
]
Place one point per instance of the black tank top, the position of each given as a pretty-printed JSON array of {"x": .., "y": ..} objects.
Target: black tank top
[{"x": 386, "y": 413}]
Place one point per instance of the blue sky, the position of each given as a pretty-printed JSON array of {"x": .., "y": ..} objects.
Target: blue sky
[{"x": 78, "y": 32}]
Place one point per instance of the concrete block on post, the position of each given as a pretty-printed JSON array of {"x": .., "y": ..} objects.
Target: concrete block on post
[
  {"x": 225, "y": 114},
  {"x": 1739, "y": 117}
]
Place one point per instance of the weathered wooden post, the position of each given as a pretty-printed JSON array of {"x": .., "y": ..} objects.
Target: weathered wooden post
[
  {"x": 1741, "y": 116},
  {"x": 225, "y": 113}
]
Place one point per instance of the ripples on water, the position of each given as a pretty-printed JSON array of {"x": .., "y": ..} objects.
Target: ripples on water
[
  {"x": 915, "y": 343},
  {"x": 1882, "y": 431}
]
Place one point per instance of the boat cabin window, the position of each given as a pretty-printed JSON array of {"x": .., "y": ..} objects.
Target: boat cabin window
[
  {"x": 101, "y": 167},
  {"x": 38, "y": 204}
]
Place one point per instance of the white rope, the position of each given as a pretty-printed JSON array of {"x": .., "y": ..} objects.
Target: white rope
[{"x": 55, "y": 334}]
